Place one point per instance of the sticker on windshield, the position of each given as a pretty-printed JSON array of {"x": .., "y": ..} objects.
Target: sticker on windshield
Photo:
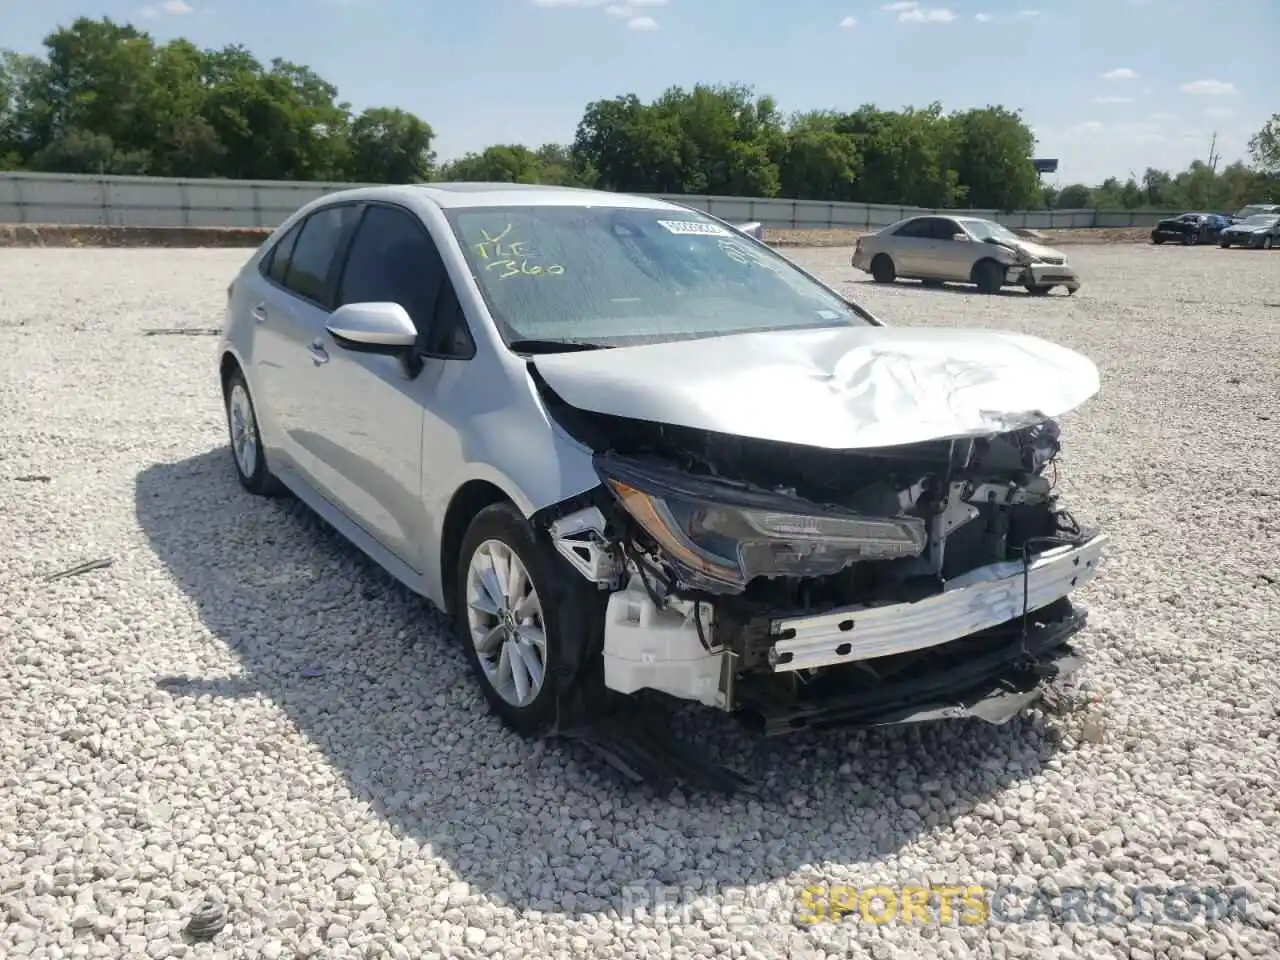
[{"x": 694, "y": 228}]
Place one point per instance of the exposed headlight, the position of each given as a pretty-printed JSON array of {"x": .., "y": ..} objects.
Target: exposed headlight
[{"x": 722, "y": 536}]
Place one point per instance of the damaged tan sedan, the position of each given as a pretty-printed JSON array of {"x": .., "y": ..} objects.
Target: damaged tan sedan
[
  {"x": 628, "y": 447},
  {"x": 940, "y": 249}
]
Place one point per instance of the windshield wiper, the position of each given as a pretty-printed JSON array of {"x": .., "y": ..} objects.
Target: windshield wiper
[{"x": 555, "y": 346}]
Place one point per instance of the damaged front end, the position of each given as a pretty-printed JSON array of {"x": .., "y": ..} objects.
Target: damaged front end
[{"x": 803, "y": 587}]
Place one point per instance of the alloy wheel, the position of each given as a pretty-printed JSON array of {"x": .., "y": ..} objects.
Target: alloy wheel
[
  {"x": 244, "y": 433},
  {"x": 504, "y": 616}
]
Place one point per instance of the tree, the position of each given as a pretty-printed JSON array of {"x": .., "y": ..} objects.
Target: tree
[
  {"x": 1264, "y": 147},
  {"x": 818, "y": 161},
  {"x": 992, "y": 159},
  {"x": 106, "y": 98},
  {"x": 1075, "y": 196},
  {"x": 388, "y": 145},
  {"x": 504, "y": 163}
]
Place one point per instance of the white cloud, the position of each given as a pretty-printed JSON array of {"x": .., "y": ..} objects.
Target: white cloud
[
  {"x": 848, "y": 23},
  {"x": 903, "y": 5},
  {"x": 1028, "y": 13},
  {"x": 642, "y": 24},
  {"x": 1113, "y": 99},
  {"x": 982, "y": 17},
  {"x": 923, "y": 15},
  {"x": 620, "y": 10},
  {"x": 173, "y": 8},
  {"x": 1208, "y": 88},
  {"x": 1120, "y": 73}
]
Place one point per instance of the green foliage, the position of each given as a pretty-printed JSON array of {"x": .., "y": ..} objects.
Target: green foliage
[{"x": 106, "y": 98}]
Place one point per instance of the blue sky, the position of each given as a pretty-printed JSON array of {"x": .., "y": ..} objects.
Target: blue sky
[{"x": 1110, "y": 86}]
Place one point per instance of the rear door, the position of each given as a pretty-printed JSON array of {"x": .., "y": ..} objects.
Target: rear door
[{"x": 289, "y": 316}]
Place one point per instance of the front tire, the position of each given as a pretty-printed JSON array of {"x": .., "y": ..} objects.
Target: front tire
[
  {"x": 1224, "y": 244},
  {"x": 1038, "y": 291},
  {"x": 1267, "y": 242},
  {"x": 528, "y": 622},
  {"x": 989, "y": 276},
  {"x": 246, "y": 440}
]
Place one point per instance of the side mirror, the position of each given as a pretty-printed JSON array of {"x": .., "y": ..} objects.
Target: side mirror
[
  {"x": 755, "y": 230},
  {"x": 961, "y": 237},
  {"x": 373, "y": 328}
]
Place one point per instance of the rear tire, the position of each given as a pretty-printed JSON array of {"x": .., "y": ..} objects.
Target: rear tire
[
  {"x": 989, "y": 276},
  {"x": 1038, "y": 291},
  {"x": 1266, "y": 242},
  {"x": 882, "y": 268},
  {"x": 247, "y": 454},
  {"x": 1224, "y": 244},
  {"x": 528, "y": 627},
  {"x": 1157, "y": 240}
]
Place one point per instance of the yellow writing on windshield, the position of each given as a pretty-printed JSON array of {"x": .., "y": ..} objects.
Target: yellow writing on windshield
[{"x": 512, "y": 256}]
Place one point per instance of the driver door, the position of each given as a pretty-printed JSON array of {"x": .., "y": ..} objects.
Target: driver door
[{"x": 369, "y": 409}]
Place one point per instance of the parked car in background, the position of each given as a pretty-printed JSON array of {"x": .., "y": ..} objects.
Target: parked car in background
[
  {"x": 1253, "y": 209},
  {"x": 627, "y": 447},
  {"x": 1262, "y": 231},
  {"x": 940, "y": 249},
  {"x": 1190, "y": 228}
]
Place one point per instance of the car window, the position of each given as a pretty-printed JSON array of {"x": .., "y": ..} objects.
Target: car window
[
  {"x": 313, "y": 253},
  {"x": 393, "y": 260},
  {"x": 278, "y": 258},
  {"x": 613, "y": 275},
  {"x": 944, "y": 229},
  {"x": 916, "y": 229}
]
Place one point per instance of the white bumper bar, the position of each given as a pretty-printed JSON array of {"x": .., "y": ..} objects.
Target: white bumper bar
[{"x": 977, "y": 600}]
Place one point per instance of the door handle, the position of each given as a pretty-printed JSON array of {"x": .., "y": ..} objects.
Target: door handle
[
  {"x": 260, "y": 313},
  {"x": 319, "y": 354}
]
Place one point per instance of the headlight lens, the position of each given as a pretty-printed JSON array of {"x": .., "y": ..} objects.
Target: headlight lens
[{"x": 723, "y": 536}]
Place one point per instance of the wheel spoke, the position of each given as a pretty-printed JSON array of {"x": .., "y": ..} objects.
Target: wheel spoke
[
  {"x": 502, "y": 678},
  {"x": 530, "y": 657},
  {"x": 516, "y": 581},
  {"x": 527, "y": 606},
  {"x": 520, "y": 674},
  {"x": 487, "y": 641},
  {"x": 492, "y": 587},
  {"x": 499, "y": 564}
]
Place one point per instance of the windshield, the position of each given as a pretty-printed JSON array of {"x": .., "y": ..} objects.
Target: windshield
[
  {"x": 613, "y": 276},
  {"x": 990, "y": 230},
  {"x": 1262, "y": 219},
  {"x": 1252, "y": 210}
]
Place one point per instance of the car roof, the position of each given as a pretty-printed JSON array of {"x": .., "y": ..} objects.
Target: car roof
[{"x": 459, "y": 194}]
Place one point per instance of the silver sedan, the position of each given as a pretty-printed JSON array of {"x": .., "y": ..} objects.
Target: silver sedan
[
  {"x": 944, "y": 249},
  {"x": 626, "y": 446}
]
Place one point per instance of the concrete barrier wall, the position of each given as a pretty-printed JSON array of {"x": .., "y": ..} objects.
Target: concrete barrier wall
[{"x": 44, "y": 198}]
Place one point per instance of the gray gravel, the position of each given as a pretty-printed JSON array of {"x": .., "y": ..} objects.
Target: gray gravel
[{"x": 242, "y": 708}]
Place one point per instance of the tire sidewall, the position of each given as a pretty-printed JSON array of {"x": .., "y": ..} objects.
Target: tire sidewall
[
  {"x": 567, "y": 614},
  {"x": 889, "y": 274},
  {"x": 989, "y": 276}
]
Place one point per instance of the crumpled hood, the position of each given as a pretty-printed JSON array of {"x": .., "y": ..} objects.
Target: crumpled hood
[
  {"x": 844, "y": 388},
  {"x": 1037, "y": 251}
]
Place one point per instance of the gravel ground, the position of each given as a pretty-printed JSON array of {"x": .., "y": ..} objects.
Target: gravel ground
[{"x": 242, "y": 708}]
